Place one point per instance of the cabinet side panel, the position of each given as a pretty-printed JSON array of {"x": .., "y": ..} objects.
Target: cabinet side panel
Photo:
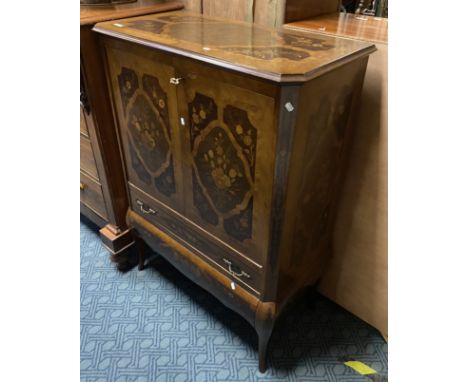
[
  {"x": 286, "y": 113},
  {"x": 322, "y": 138}
]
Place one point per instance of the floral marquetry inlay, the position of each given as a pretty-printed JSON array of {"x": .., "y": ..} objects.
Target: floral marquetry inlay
[
  {"x": 147, "y": 131},
  {"x": 280, "y": 54},
  {"x": 221, "y": 169},
  {"x": 223, "y": 150},
  {"x": 147, "y": 119},
  {"x": 128, "y": 83},
  {"x": 238, "y": 38},
  {"x": 243, "y": 131},
  {"x": 202, "y": 110},
  {"x": 158, "y": 98}
]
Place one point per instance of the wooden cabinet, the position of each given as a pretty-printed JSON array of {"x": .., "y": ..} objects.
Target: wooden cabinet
[
  {"x": 103, "y": 195},
  {"x": 91, "y": 195},
  {"x": 234, "y": 140}
]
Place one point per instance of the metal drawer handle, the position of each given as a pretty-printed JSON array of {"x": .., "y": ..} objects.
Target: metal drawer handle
[
  {"x": 175, "y": 80},
  {"x": 229, "y": 263},
  {"x": 149, "y": 211},
  {"x": 82, "y": 186}
]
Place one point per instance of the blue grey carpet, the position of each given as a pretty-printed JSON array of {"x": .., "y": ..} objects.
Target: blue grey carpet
[{"x": 156, "y": 325}]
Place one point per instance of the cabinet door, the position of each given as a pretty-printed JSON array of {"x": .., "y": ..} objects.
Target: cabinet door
[
  {"x": 230, "y": 144},
  {"x": 145, "y": 104}
]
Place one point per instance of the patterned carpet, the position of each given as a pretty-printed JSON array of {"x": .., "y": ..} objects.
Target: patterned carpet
[{"x": 156, "y": 325}]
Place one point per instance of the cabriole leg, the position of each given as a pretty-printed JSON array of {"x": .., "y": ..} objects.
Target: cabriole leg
[
  {"x": 141, "y": 253},
  {"x": 264, "y": 322},
  {"x": 263, "y": 340}
]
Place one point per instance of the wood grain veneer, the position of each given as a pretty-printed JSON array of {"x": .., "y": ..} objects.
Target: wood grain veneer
[
  {"x": 234, "y": 169},
  {"x": 90, "y": 15},
  {"x": 277, "y": 55}
]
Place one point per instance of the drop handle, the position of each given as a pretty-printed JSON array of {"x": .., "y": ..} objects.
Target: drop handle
[
  {"x": 233, "y": 272},
  {"x": 148, "y": 211}
]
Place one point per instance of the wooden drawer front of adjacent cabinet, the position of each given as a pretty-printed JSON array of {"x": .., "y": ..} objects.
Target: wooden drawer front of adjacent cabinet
[
  {"x": 239, "y": 268},
  {"x": 87, "y": 162},
  {"x": 83, "y": 123},
  {"x": 197, "y": 142},
  {"x": 91, "y": 195}
]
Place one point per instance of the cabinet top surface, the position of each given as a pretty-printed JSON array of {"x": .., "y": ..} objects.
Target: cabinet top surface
[
  {"x": 92, "y": 14},
  {"x": 360, "y": 27},
  {"x": 280, "y": 55}
]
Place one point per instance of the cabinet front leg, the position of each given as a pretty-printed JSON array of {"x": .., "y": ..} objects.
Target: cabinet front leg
[
  {"x": 264, "y": 323},
  {"x": 141, "y": 253},
  {"x": 263, "y": 340}
]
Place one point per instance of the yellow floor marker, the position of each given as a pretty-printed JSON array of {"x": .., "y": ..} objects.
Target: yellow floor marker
[{"x": 360, "y": 367}]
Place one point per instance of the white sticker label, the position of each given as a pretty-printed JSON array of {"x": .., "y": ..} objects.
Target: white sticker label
[{"x": 289, "y": 107}]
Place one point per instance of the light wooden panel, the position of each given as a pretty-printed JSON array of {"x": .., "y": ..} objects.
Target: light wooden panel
[
  {"x": 241, "y": 10},
  {"x": 192, "y": 5},
  {"x": 274, "y": 13},
  {"x": 269, "y": 12},
  {"x": 357, "y": 276}
]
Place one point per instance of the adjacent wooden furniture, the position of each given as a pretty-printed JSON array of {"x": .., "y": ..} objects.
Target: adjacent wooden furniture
[
  {"x": 277, "y": 12},
  {"x": 357, "y": 275},
  {"x": 103, "y": 194},
  {"x": 272, "y": 13},
  {"x": 234, "y": 139},
  {"x": 358, "y": 27},
  {"x": 105, "y": 2}
]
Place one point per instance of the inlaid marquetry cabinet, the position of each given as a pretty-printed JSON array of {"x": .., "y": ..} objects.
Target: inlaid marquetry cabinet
[{"x": 234, "y": 141}]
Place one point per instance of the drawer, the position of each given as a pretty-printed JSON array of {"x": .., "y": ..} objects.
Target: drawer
[
  {"x": 83, "y": 124},
  {"x": 87, "y": 162},
  {"x": 91, "y": 195},
  {"x": 236, "y": 266}
]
